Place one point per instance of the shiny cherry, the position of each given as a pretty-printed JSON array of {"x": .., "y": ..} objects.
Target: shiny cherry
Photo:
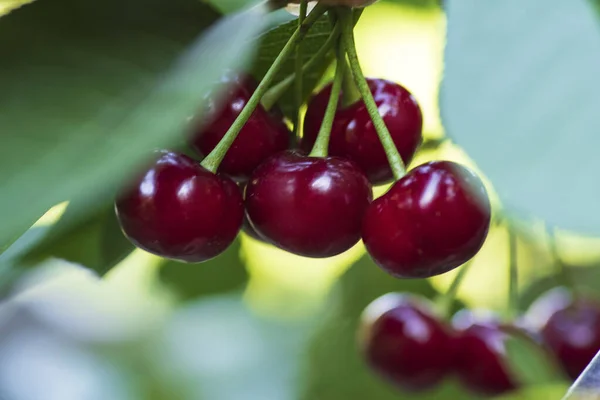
[
  {"x": 405, "y": 342},
  {"x": 180, "y": 210},
  {"x": 308, "y": 206},
  {"x": 353, "y": 135},
  {"x": 263, "y": 135},
  {"x": 572, "y": 332},
  {"x": 432, "y": 220},
  {"x": 480, "y": 353}
]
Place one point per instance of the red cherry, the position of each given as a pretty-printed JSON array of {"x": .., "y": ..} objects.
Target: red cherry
[
  {"x": 572, "y": 332},
  {"x": 180, "y": 210},
  {"x": 480, "y": 352},
  {"x": 353, "y": 135},
  {"x": 308, "y": 206},
  {"x": 432, "y": 220},
  {"x": 405, "y": 342},
  {"x": 263, "y": 135}
]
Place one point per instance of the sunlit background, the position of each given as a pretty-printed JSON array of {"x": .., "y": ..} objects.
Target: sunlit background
[{"x": 68, "y": 335}]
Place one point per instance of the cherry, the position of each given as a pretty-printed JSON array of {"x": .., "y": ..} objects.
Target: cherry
[
  {"x": 480, "y": 354},
  {"x": 308, "y": 206},
  {"x": 405, "y": 342},
  {"x": 263, "y": 135},
  {"x": 432, "y": 220},
  {"x": 180, "y": 210},
  {"x": 572, "y": 332},
  {"x": 353, "y": 135}
]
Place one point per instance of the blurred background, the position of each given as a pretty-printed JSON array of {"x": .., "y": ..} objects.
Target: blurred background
[{"x": 255, "y": 323}]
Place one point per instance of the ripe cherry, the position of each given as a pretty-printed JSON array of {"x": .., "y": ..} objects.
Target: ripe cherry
[
  {"x": 353, "y": 135},
  {"x": 263, "y": 135},
  {"x": 180, "y": 210},
  {"x": 432, "y": 220},
  {"x": 308, "y": 206},
  {"x": 405, "y": 342},
  {"x": 572, "y": 332},
  {"x": 480, "y": 354}
]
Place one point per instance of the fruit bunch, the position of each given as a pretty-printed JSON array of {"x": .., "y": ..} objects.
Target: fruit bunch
[
  {"x": 310, "y": 193},
  {"x": 315, "y": 200},
  {"x": 408, "y": 343},
  {"x": 414, "y": 343}
]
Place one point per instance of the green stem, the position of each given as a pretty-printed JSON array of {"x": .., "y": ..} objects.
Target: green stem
[
  {"x": 321, "y": 146},
  {"x": 393, "y": 156},
  {"x": 213, "y": 160},
  {"x": 351, "y": 94},
  {"x": 298, "y": 74},
  {"x": 513, "y": 277},
  {"x": 446, "y": 300},
  {"x": 562, "y": 268},
  {"x": 275, "y": 93}
]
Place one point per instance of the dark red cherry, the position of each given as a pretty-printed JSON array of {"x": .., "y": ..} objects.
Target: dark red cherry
[
  {"x": 405, "y": 342},
  {"x": 353, "y": 135},
  {"x": 180, "y": 210},
  {"x": 308, "y": 206},
  {"x": 480, "y": 354},
  {"x": 572, "y": 332},
  {"x": 432, "y": 220},
  {"x": 263, "y": 135}
]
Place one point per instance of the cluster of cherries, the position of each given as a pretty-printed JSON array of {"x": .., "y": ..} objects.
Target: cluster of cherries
[
  {"x": 432, "y": 220},
  {"x": 408, "y": 343}
]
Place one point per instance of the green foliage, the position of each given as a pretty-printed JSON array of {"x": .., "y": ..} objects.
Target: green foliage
[
  {"x": 271, "y": 44},
  {"x": 90, "y": 88},
  {"x": 519, "y": 95},
  {"x": 95, "y": 241},
  {"x": 530, "y": 363},
  {"x": 225, "y": 273}
]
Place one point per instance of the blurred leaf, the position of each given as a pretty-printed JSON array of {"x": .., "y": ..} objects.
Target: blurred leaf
[
  {"x": 95, "y": 241},
  {"x": 586, "y": 280},
  {"x": 9, "y": 260},
  {"x": 334, "y": 368},
  {"x": 530, "y": 364},
  {"x": 417, "y": 3},
  {"x": 90, "y": 88},
  {"x": 228, "y": 6},
  {"x": 216, "y": 348},
  {"x": 271, "y": 44},
  {"x": 225, "y": 273},
  {"x": 7, "y": 6},
  {"x": 520, "y": 95},
  {"x": 542, "y": 392}
]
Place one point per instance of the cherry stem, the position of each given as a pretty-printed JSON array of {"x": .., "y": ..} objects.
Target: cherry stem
[
  {"x": 513, "y": 274},
  {"x": 350, "y": 94},
  {"x": 298, "y": 74},
  {"x": 320, "y": 149},
  {"x": 446, "y": 300},
  {"x": 213, "y": 160},
  {"x": 562, "y": 268},
  {"x": 275, "y": 93},
  {"x": 393, "y": 156}
]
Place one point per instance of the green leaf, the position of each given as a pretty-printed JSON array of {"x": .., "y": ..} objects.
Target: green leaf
[
  {"x": 90, "y": 88},
  {"x": 334, "y": 368},
  {"x": 520, "y": 94},
  {"x": 95, "y": 241},
  {"x": 271, "y": 44},
  {"x": 529, "y": 363},
  {"x": 225, "y": 273},
  {"x": 416, "y": 3}
]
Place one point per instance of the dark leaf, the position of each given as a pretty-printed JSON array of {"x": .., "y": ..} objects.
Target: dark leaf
[
  {"x": 225, "y": 273},
  {"x": 95, "y": 241},
  {"x": 271, "y": 44},
  {"x": 90, "y": 88}
]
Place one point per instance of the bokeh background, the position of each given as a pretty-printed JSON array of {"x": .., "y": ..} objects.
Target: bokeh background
[{"x": 255, "y": 323}]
